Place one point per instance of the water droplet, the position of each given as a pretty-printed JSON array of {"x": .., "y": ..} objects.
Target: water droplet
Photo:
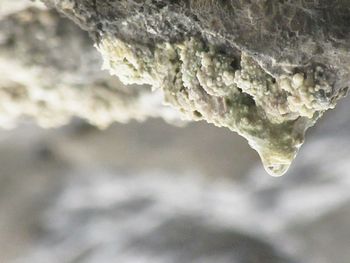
[
  {"x": 276, "y": 163},
  {"x": 276, "y": 170}
]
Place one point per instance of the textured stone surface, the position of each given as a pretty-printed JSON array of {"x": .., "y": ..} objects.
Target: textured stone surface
[
  {"x": 51, "y": 71},
  {"x": 285, "y": 63},
  {"x": 282, "y": 35}
]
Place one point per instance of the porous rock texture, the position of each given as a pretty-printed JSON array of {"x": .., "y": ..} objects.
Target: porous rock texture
[
  {"x": 51, "y": 71},
  {"x": 265, "y": 69}
]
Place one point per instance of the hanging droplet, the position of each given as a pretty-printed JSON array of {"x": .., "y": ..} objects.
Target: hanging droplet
[
  {"x": 275, "y": 162},
  {"x": 276, "y": 170}
]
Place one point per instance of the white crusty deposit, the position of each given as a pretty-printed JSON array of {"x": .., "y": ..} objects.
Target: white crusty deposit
[
  {"x": 204, "y": 84},
  {"x": 50, "y": 71}
]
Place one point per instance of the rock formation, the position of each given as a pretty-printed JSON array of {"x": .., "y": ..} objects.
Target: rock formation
[
  {"x": 265, "y": 69},
  {"x": 51, "y": 71}
]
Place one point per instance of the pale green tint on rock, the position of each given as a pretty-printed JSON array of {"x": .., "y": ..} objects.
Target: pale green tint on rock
[{"x": 203, "y": 84}]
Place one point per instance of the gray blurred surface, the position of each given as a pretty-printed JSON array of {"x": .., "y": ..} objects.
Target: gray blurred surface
[{"x": 155, "y": 193}]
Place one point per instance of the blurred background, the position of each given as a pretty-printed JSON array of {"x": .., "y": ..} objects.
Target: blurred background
[{"x": 147, "y": 191}]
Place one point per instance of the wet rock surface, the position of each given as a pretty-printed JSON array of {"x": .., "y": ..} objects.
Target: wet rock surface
[
  {"x": 151, "y": 192},
  {"x": 288, "y": 60}
]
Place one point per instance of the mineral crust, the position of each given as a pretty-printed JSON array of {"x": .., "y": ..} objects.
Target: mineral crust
[
  {"x": 265, "y": 69},
  {"x": 51, "y": 71}
]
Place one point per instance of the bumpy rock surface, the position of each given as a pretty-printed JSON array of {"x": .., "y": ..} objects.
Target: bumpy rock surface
[
  {"x": 266, "y": 69},
  {"x": 50, "y": 70}
]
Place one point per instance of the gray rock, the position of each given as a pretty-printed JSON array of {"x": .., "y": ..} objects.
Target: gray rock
[
  {"x": 265, "y": 69},
  {"x": 280, "y": 35}
]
